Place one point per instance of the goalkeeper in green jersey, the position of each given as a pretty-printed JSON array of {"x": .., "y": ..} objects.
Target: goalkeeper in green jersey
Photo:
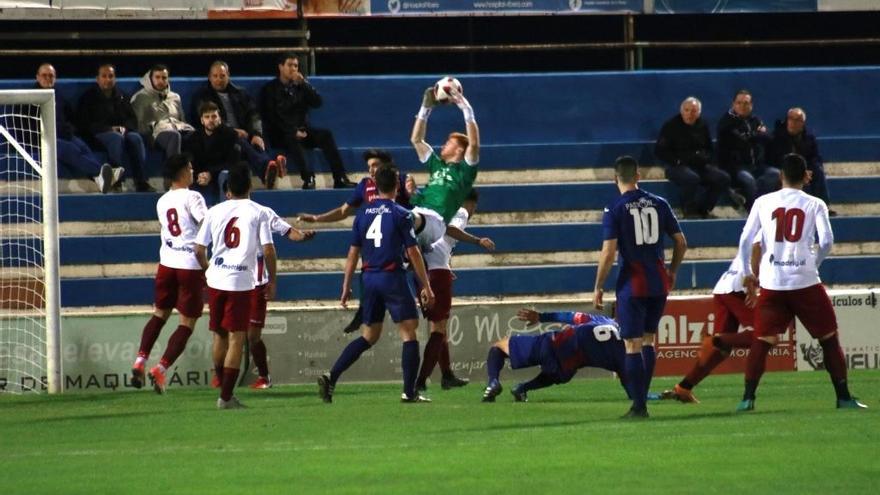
[{"x": 452, "y": 172}]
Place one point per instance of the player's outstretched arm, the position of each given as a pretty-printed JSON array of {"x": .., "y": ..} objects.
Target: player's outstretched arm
[
  {"x": 472, "y": 153},
  {"x": 202, "y": 256},
  {"x": 420, "y": 127},
  {"x": 418, "y": 264},
  {"x": 460, "y": 235},
  {"x": 528, "y": 315},
  {"x": 350, "y": 265},
  {"x": 271, "y": 260},
  {"x": 606, "y": 260},
  {"x": 334, "y": 215}
]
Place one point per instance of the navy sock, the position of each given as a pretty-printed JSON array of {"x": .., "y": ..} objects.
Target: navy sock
[
  {"x": 649, "y": 357},
  {"x": 540, "y": 381},
  {"x": 349, "y": 355},
  {"x": 409, "y": 361},
  {"x": 494, "y": 363},
  {"x": 634, "y": 365}
]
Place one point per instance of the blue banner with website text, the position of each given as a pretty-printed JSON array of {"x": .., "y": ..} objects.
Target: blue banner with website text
[
  {"x": 442, "y": 7},
  {"x": 732, "y": 6}
]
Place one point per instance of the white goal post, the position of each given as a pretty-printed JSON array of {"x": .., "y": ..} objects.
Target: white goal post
[{"x": 30, "y": 309}]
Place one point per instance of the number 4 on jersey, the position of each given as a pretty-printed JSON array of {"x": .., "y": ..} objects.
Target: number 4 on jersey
[{"x": 375, "y": 231}]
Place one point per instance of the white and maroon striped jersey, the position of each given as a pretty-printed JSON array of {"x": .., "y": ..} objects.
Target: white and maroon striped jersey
[
  {"x": 180, "y": 212},
  {"x": 790, "y": 221},
  {"x": 237, "y": 230}
]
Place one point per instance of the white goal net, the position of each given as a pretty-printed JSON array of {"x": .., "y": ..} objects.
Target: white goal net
[{"x": 29, "y": 285}]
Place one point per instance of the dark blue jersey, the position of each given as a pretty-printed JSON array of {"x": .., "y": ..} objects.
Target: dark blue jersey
[
  {"x": 383, "y": 230},
  {"x": 366, "y": 192},
  {"x": 587, "y": 340},
  {"x": 638, "y": 220}
]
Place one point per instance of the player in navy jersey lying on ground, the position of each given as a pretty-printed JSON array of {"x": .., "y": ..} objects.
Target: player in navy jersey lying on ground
[{"x": 586, "y": 340}]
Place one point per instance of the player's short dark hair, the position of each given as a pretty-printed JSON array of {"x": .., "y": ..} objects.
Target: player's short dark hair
[
  {"x": 175, "y": 164},
  {"x": 794, "y": 168},
  {"x": 473, "y": 195},
  {"x": 208, "y": 107},
  {"x": 387, "y": 178},
  {"x": 626, "y": 168},
  {"x": 239, "y": 181},
  {"x": 157, "y": 68},
  {"x": 382, "y": 155},
  {"x": 285, "y": 56}
]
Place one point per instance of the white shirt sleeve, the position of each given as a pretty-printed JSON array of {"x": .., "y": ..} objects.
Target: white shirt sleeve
[
  {"x": 265, "y": 230},
  {"x": 203, "y": 238},
  {"x": 746, "y": 239},
  {"x": 460, "y": 220},
  {"x": 826, "y": 235},
  {"x": 197, "y": 207}
]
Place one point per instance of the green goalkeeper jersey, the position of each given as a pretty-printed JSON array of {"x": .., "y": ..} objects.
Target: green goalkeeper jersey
[{"x": 447, "y": 187}]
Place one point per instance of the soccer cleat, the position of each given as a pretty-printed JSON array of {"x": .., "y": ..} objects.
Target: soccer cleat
[
  {"x": 492, "y": 390},
  {"x": 680, "y": 394},
  {"x": 852, "y": 403},
  {"x": 746, "y": 405},
  {"x": 453, "y": 381},
  {"x": 104, "y": 179},
  {"x": 118, "y": 172},
  {"x": 653, "y": 396},
  {"x": 281, "y": 160},
  {"x": 636, "y": 414},
  {"x": 158, "y": 377},
  {"x": 232, "y": 403},
  {"x": 215, "y": 381},
  {"x": 262, "y": 383},
  {"x": 406, "y": 399},
  {"x": 325, "y": 388},
  {"x": 519, "y": 395},
  {"x": 271, "y": 175},
  {"x": 137, "y": 376}
]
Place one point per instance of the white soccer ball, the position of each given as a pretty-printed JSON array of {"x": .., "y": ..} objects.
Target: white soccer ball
[{"x": 444, "y": 87}]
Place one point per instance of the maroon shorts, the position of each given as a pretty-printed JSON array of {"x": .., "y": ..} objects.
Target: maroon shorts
[
  {"x": 731, "y": 312},
  {"x": 258, "y": 306},
  {"x": 811, "y": 305},
  {"x": 230, "y": 310},
  {"x": 180, "y": 289},
  {"x": 441, "y": 285}
]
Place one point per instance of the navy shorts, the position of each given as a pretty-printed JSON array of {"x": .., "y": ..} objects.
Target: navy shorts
[
  {"x": 387, "y": 291},
  {"x": 639, "y": 315},
  {"x": 536, "y": 350}
]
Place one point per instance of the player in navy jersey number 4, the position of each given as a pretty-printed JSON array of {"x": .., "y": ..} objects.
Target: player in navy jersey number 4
[
  {"x": 586, "y": 340},
  {"x": 381, "y": 234},
  {"x": 789, "y": 220},
  {"x": 634, "y": 225}
]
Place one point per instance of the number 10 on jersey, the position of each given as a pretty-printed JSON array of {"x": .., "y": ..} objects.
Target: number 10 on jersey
[{"x": 645, "y": 225}]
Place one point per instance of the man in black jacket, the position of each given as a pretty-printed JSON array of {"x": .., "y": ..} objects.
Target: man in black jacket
[
  {"x": 107, "y": 120},
  {"x": 685, "y": 148},
  {"x": 742, "y": 137},
  {"x": 213, "y": 149},
  {"x": 72, "y": 152},
  {"x": 285, "y": 103},
  {"x": 792, "y": 136},
  {"x": 238, "y": 111}
]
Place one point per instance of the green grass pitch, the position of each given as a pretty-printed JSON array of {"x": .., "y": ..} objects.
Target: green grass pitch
[{"x": 567, "y": 439}]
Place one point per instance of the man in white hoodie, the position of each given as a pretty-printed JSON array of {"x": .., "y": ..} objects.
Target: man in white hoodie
[{"x": 159, "y": 111}]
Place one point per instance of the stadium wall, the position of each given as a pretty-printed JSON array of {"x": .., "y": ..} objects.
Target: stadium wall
[{"x": 97, "y": 350}]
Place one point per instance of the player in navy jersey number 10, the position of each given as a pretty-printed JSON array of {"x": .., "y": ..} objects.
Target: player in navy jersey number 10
[
  {"x": 381, "y": 234},
  {"x": 633, "y": 224}
]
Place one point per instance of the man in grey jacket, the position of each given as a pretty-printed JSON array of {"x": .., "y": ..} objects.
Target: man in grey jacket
[{"x": 159, "y": 111}]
